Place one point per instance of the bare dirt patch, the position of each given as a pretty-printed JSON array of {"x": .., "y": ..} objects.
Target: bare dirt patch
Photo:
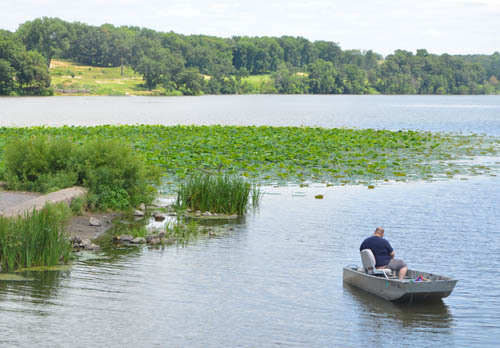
[{"x": 79, "y": 226}]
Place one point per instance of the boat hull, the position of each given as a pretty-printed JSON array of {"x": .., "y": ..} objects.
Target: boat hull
[{"x": 393, "y": 289}]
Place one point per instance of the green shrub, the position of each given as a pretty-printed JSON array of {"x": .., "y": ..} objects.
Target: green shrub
[
  {"x": 224, "y": 194},
  {"x": 116, "y": 176},
  {"x": 78, "y": 205},
  {"x": 35, "y": 239}
]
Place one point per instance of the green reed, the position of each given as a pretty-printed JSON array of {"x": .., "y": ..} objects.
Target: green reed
[
  {"x": 180, "y": 232},
  {"x": 222, "y": 194},
  {"x": 37, "y": 238}
]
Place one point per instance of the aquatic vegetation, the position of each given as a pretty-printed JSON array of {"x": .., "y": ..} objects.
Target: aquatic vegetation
[
  {"x": 36, "y": 239},
  {"x": 181, "y": 232},
  {"x": 219, "y": 193},
  {"x": 287, "y": 154}
]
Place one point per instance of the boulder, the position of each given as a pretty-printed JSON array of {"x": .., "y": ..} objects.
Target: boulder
[
  {"x": 85, "y": 243},
  {"x": 159, "y": 216},
  {"x": 125, "y": 238},
  {"x": 206, "y": 213},
  {"x": 155, "y": 241},
  {"x": 161, "y": 234},
  {"x": 75, "y": 239},
  {"x": 93, "y": 247},
  {"x": 94, "y": 222},
  {"x": 138, "y": 213},
  {"x": 138, "y": 240}
]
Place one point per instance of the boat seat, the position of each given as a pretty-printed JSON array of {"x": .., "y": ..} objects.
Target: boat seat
[{"x": 368, "y": 260}]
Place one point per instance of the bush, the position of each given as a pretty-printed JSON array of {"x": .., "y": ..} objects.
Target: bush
[
  {"x": 35, "y": 239},
  {"x": 217, "y": 193},
  {"x": 116, "y": 176}
]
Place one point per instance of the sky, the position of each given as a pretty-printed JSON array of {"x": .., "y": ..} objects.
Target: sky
[{"x": 440, "y": 26}]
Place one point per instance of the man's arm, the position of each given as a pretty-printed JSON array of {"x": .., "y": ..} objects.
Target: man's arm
[{"x": 392, "y": 254}]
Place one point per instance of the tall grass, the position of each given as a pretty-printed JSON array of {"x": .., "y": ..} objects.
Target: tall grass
[
  {"x": 222, "y": 194},
  {"x": 35, "y": 239},
  {"x": 181, "y": 233}
]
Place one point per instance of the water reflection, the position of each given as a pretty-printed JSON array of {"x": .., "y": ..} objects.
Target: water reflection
[{"x": 433, "y": 314}]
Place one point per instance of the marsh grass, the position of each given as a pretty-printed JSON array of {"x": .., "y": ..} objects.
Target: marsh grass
[
  {"x": 35, "y": 239},
  {"x": 181, "y": 232},
  {"x": 222, "y": 194}
]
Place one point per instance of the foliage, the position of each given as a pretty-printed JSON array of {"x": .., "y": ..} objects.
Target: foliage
[
  {"x": 224, "y": 194},
  {"x": 35, "y": 239},
  {"x": 177, "y": 62},
  {"x": 116, "y": 176},
  {"x": 21, "y": 72},
  {"x": 284, "y": 154}
]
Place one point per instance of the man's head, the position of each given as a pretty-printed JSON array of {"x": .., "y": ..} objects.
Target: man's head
[{"x": 379, "y": 231}]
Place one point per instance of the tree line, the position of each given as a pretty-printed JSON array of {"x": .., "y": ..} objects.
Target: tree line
[{"x": 196, "y": 64}]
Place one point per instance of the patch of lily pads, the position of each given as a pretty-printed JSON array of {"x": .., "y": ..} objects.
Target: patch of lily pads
[{"x": 270, "y": 155}]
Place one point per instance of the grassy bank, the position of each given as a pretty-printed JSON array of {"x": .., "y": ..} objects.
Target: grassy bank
[{"x": 288, "y": 154}]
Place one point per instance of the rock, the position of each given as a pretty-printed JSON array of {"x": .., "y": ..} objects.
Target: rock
[
  {"x": 138, "y": 213},
  {"x": 75, "y": 239},
  {"x": 85, "y": 243},
  {"x": 159, "y": 216},
  {"x": 94, "y": 222},
  {"x": 93, "y": 247},
  {"x": 161, "y": 234},
  {"x": 142, "y": 206},
  {"x": 198, "y": 213},
  {"x": 155, "y": 241},
  {"x": 206, "y": 213},
  {"x": 125, "y": 238},
  {"x": 138, "y": 240},
  {"x": 150, "y": 237}
]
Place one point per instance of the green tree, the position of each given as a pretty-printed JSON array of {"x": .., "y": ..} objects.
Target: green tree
[
  {"x": 322, "y": 78},
  {"x": 49, "y": 36}
]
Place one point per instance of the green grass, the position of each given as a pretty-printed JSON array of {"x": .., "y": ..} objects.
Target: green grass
[
  {"x": 287, "y": 154},
  {"x": 222, "y": 194},
  {"x": 96, "y": 80},
  {"x": 35, "y": 239},
  {"x": 256, "y": 81},
  {"x": 90, "y": 80}
]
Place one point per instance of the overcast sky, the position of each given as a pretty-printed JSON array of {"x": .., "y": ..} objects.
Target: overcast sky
[{"x": 440, "y": 26}]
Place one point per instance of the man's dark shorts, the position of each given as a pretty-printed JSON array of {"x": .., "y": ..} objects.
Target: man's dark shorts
[{"x": 396, "y": 264}]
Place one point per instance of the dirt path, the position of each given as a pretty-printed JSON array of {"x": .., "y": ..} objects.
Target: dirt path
[{"x": 12, "y": 202}]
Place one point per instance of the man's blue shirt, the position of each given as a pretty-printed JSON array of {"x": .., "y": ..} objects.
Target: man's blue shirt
[{"x": 380, "y": 247}]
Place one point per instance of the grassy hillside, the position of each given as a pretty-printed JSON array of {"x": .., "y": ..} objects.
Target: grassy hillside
[
  {"x": 69, "y": 78},
  {"x": 72, "y": 79}
]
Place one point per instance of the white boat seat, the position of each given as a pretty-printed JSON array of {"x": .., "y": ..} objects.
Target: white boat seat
[{"x": 368, "y": 260}]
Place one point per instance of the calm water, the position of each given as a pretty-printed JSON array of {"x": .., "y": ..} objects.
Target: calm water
[
  {"x": 276, "y": 278},
  {"x": 479, "y": 114}
]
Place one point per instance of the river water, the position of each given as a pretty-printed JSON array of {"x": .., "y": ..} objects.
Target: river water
[{"x": 275, "y": 279}]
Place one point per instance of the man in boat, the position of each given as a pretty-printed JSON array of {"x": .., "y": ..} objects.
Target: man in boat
[{"x": 384, "y": 254}]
